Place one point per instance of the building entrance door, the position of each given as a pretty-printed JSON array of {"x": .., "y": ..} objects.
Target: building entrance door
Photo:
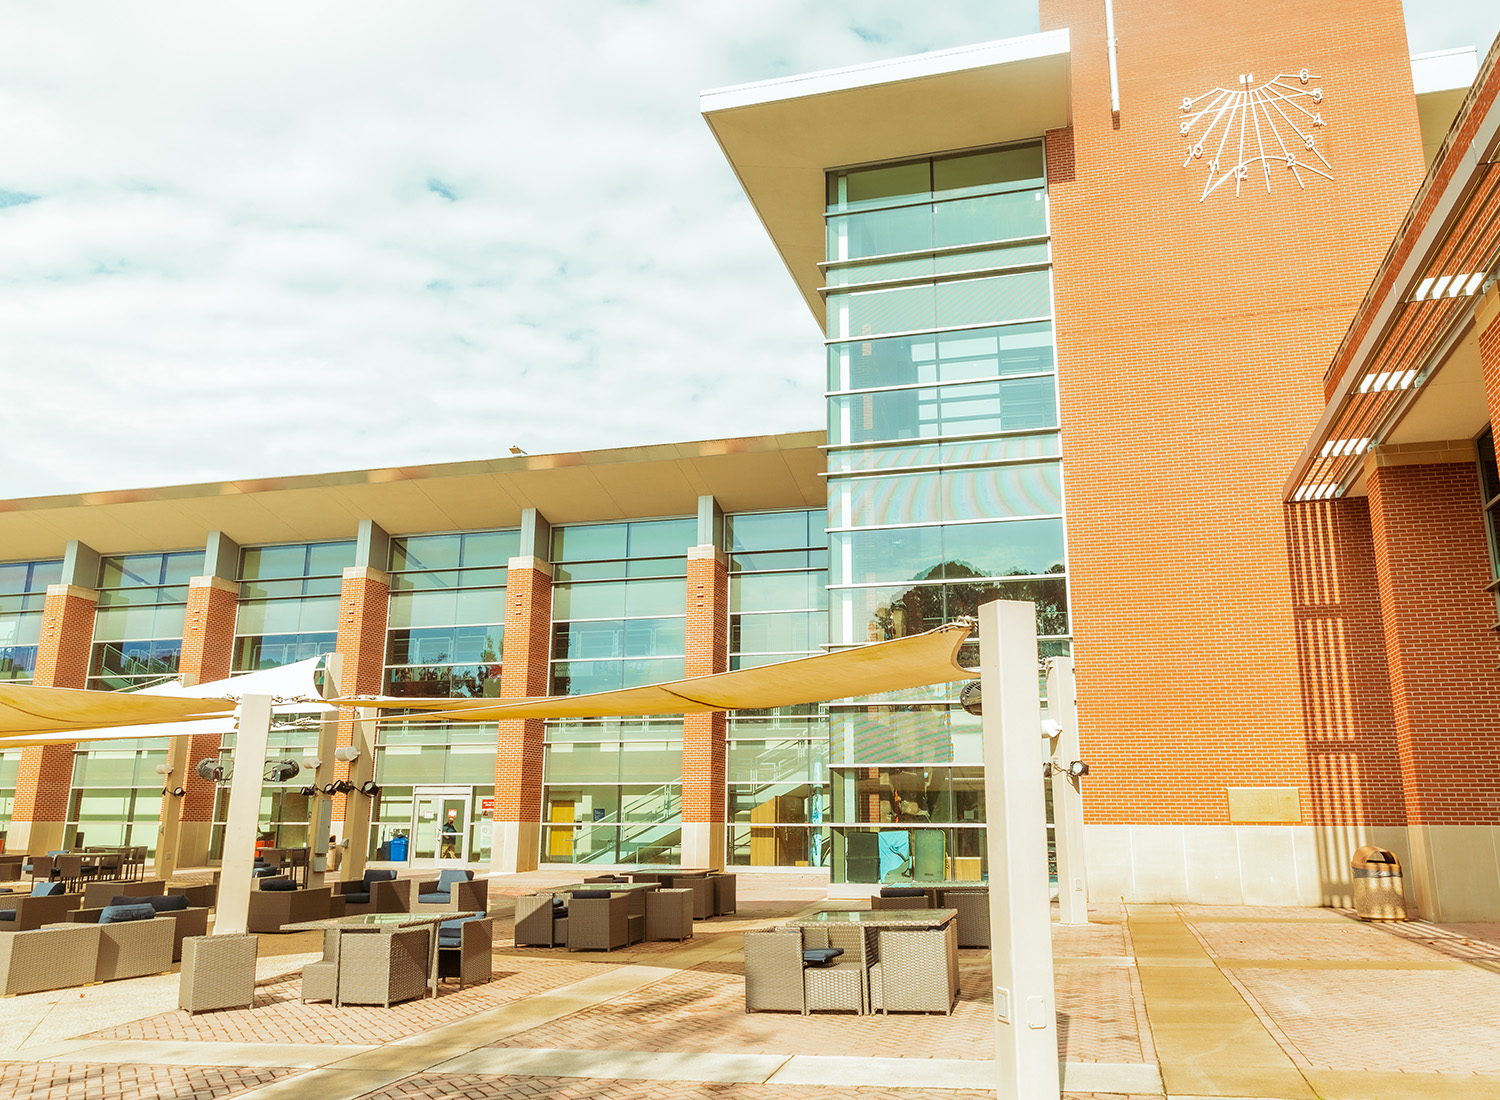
[{"x": 440, "y": 826}]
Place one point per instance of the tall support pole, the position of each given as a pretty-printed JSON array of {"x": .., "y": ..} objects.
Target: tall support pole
[
  {"x": 169, "y": 831},
  {"x": 1020, "y": 921},
  {"x": 1067, "y": 798},
  {"x": 244, "y": 815},
  {"x": 327, "y": 771},
  {"x": 357, "y": 807}
]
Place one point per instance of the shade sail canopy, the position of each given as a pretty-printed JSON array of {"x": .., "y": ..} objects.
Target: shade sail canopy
[
  {"x": 923, "y": 659},
  {"x": 28, "y": 710}
]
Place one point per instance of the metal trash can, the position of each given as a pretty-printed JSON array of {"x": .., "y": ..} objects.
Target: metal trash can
[{"x": 1378, "y": 894}]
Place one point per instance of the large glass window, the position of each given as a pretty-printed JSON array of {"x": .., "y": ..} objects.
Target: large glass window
[
  {"x": 116, "y": 797},
  {"x": 138, "y": 625},
  {"x": 23, "y": 598},
  {"x": 289, "y": 603}
]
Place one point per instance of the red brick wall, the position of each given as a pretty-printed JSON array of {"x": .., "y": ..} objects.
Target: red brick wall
[
  {"x": 523, "y": 672},
  {"x": 1487, "y": 321},
  {"x": 1433, "y": 563},
  {"x": 1353, "y": 768},
  {"x": 364, "y": 604},
  {"x": 207, "y": 651},
  {"x": 1192, "y": 339},
  {"x": 46, "y": 771},
  {"x": 703, "y": 735}
]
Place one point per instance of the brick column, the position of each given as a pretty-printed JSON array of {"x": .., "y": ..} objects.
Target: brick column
[
  {"x": 515, "y": 842},
  {"x": 46, "y": 775},
  {"x": 207, "y": 651},
  {"x": 1432, "y": 565},
  {"x": 363, "y": 607},
  {"x": 704, "y": 747}
]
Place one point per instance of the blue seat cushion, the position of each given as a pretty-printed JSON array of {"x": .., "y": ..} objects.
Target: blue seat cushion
[
  {"x": 260, "y": 870},
  {"x": 451, "y": 875},
  {"x": 274, "y": 884},
  {"x": 902, "y": 892},
  {"x": 589, "y": 894},
  {"x": 45, "y": 889},
  {"x": 820, "y": 956},
  {"x": 358, "y": 897},
  {"x": 433, "y": 899},
  {"x": 58, "y": 852},
  {"x": 450, "y": 932},
  {"x": 559, "y": 903},
  {"x": 119, "y": 914}
]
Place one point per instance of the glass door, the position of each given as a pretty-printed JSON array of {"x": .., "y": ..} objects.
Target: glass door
[{"x": 440, "y": 825}]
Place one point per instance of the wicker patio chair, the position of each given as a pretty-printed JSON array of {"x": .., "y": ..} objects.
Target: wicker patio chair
[
  {"x": 74, "y": 872},
  {"x": 598, "y": 924},
  {"x": 217, "y": 972},
  {"x": 916, "y": 971},
  {"x": 703, "y": 892},
  {"x": 39, "y": 868},
  {"x": 132, "y": 949},
  {"x": 110, "y": 865},
  {"x": 669, "y": 915},
  {"x": 382, "y": 967},
  {"x": 271, "y": 909},
  {"x": 452, "y": 893},
  {"x": 973, "y": 919},
  {"x": 136, "y": 868},
  {"x": 470, "y": 956},
  {"x": 320, "y": 980},
  {"x": 32, "y": 913},
  {"x": 57, "y": 957},
  {"x": 901, "y": 897},
  {"x": 538, "y": 923},
  {"x": 200, "y": 895},
  {"x": 726, "y": 894},
  {"x": 773, "y": 971},
  {"x": 375, "y": 893}
]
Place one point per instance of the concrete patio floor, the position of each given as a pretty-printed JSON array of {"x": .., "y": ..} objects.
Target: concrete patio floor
[{"x": 1153, "y": 1000}]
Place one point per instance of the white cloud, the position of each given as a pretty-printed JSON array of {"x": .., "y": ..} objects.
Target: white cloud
[{"x": 239, "y": 262}]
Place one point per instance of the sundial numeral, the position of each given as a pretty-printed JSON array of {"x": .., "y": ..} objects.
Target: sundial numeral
[
  {"x": 1317, "y": 95},
  {"x": 1318, "y": 119},
  {"x": 1197, "y": 151},
  {"x": 1187, "y": 103},
  {"x": 1303, "y": 76},
  {"x": 1184, "y": 128},
  {"x": 1291, "y": 160},
  {"x": 1213, "y": 166},
  {"x": 1242, "y": 172}
]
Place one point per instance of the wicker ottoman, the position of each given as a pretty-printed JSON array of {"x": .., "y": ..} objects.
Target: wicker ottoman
[{"x": 217, "y": 972}]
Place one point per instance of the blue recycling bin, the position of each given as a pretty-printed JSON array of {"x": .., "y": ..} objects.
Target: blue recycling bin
[{"x": 398, "y": 849}]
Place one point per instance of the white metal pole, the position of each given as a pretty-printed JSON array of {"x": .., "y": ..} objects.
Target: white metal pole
[
  {"x": 251, "y": 737},
  {"x": 1020, "y": 906},
  {"x": 1067, "y": 798},
  {"x": 1109, "y": 40}
]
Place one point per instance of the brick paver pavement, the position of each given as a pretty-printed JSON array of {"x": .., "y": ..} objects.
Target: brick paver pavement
[
  {"x": 1307, "y": 940},
  {"x": 1428, "y": 1020},
  {"x": 1088, "y": 940},
  {"x": 70, "y": 1081},
  {"x": 1097, "y": 1015}
]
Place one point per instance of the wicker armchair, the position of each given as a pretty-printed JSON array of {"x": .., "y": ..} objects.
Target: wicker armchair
[
  {"x": 773, "y": 971},
  {"x": 271, "y": 909},
  {"x": 33, "y": 913},
  {"x": 726, "y": 894},
  {"x": 382, "y": 967},
  {"x": 472, "y": 958},
  {"x": 96, "y": 895},
  {"x": 202, "y": 895},
  {"x": 186, "y": 922},
  {"x": 538, "y": 923},
  {"x": 40, "y": 868},
  {"x": 703, "y": 892},
  {"x": 973, "y": 919},
  {"x": 134, "y": 948},
  {"x": 58, "y": 957},
  {"x": 916, "y": 971},
  {"x": 669, "y": 915},
  {"x": 598, "y": 924},
  {"x": 73, "y": 871},
  {"x": 844, "y": 983},
  {"x": 375, "y": 893},
  {"x": 451, "y": 894},
  {"x": 217, "y": 972},
  {"x": 320, "y": 980}
]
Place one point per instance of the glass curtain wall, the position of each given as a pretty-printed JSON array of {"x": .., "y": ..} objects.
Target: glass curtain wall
[
  {"x": 116, "y": 795},
  {"x": 23, "y": 597},
  {"x": 445, "y": 638},
  {"x": 286, "y": 807},
  {"x": 613, "y": 786},
  {"x": 945, "y": 481},
  {"x": 10, "y": 767},
  {"x": 289, "y": 603},
  {"x": 777, "y": 768}
]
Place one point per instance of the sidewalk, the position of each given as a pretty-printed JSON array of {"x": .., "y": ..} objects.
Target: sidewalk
[{"x": 1178, "y": 1001}]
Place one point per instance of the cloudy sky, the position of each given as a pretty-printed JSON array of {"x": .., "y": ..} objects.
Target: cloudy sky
[{"x": 249, "y": 240}]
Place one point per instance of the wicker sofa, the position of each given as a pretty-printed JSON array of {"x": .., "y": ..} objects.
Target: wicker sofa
[
  {"x": 186, "y": 922},
  {"x": 270, "y": 910},
  {"x": 598, "y": 924},
  {"x": 56, "y": 957},
  {"x": 132, "y": 949},
  {"x": 96, "y": 895},
  {"x": 27, "y": 912}
]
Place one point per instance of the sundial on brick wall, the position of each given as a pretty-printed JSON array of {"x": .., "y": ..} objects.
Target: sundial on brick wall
[{"x": 1270, "y": 131}]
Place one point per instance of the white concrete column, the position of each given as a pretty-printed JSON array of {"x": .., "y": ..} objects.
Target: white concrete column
[
  {"x": 1067, "y": 798},
  {"x": 169, "y": 831},
  {"x": 357, "y": 804},
  {"x": 237, "y": 869},
  {"x": 1020, "y": 906},
  {"x": 322, "y": 808}
]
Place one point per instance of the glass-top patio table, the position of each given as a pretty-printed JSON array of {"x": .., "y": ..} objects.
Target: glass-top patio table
[
  {"x": 382, "y": 922},
  {"x": 656, "y": 872},
  {"x": 878, "y": 918}
]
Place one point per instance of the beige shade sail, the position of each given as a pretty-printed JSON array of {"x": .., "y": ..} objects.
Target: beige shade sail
[
  {"x": 923, "y": 659},
  {"x": 27, "y": 710}
]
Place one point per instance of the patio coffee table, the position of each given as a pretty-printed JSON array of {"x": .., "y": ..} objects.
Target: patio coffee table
[
  {"x": 382, "y": 922},
  {"x": 904, "y": 919}
]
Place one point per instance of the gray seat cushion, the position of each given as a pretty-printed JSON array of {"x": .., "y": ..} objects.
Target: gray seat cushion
[
  {"x": 820, "y": 956},
  {"x": 119, "y": 914},
  {"x": 358, "y": 897}
]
